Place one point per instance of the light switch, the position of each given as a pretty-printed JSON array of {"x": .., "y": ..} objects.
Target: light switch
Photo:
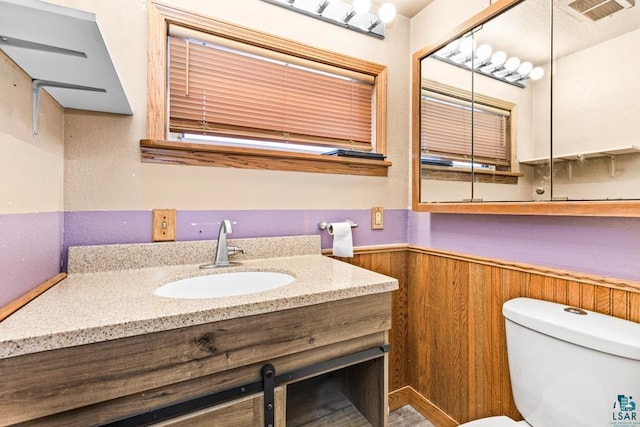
[
  {"x": 164, "y": 225},
  {"x": 377, "y": 218}
]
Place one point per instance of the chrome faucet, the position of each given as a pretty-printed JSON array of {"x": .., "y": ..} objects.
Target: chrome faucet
[{"x": 222, "y": 250}]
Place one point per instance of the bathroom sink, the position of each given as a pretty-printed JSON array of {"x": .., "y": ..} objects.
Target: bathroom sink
[{"x": 224, "y": 284}]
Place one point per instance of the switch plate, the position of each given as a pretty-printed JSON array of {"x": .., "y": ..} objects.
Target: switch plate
[
  {"x": 163, "y": 225},
  {"x": 377, "y": 218}
]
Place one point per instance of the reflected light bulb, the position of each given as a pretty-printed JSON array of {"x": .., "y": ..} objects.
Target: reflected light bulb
[
  {"x": 466, "y": 46},
  {"x": 483, "y": 52},
  {"x": 498, "y": 58},
  {"x": 361, "y": 6},
  {"x": 512, "y": 64},
  {"x": 536, "y": 73},
  {"x": 525, "y": 68},
  {"x": 387, "y": 12},
  {"x": 451, "y": 47}
]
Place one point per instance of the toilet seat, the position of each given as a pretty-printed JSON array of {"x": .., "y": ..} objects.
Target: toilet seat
[{"x": 500, "y": 421}]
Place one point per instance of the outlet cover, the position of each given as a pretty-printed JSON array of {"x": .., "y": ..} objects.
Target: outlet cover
[
  {"x": 377, "y": 218},
  {"x": 164, "y": 225}
]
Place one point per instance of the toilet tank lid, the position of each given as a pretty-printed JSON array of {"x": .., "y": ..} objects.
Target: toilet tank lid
[{"x": 592, "y": 330}]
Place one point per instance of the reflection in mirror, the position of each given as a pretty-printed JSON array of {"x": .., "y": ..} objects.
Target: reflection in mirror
[
  {"x": 574, "y": 140},
  {"x": 596, "y": 101},
  {"x": 479, "y": 113},
  {"x": 445, "y": 131}
]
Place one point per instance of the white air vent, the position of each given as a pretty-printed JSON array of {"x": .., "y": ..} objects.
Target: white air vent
[{"x": 594, "y": 10}]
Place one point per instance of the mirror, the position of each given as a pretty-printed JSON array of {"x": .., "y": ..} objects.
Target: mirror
[
  {"x": 596, "y": 102},
  {"x": 493, "y": 106}
]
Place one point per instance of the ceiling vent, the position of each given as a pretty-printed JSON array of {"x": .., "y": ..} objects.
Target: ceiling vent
[{"x": 594, "y": 10}]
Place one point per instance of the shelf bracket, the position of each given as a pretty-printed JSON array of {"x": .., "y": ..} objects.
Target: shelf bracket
[
  {"x": 26, "y": 44},
  {"x": 37, "y": 84},
  {"x": 612, "y": 166},
  {"x": 570, "y": 170}
]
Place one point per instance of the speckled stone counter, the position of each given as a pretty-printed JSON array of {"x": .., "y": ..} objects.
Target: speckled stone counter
[{"x": 109, "y": 292}]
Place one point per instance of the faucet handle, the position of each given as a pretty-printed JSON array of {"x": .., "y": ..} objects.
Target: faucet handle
[{"x": 234, "y": 250}]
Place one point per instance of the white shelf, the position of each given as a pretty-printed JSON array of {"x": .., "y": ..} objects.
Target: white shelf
[
  {"x": 608, "y": 152},
  {"x": 62, "y": 50}
]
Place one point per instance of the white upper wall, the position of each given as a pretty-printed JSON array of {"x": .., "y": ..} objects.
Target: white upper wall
[
  {"x": 102, "y": 155},
  {"x": 440, "y": 18},
  {"x": 600, "y": 109},
  {"x": 31, "y": 169}
]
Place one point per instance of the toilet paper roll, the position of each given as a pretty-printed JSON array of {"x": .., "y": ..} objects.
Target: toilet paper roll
[{"x": 342, "y": 240}]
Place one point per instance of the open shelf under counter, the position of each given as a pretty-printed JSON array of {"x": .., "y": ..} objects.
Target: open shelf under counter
[{"x": 320, "y": 402}]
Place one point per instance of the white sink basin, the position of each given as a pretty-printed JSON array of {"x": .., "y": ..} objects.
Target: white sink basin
[{"x": 224, "y": 284}]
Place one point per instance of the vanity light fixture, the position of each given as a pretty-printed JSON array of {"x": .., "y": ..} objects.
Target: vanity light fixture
[
  {"x": 463, "y": 53},
  {"x": 354, "y": 16}
]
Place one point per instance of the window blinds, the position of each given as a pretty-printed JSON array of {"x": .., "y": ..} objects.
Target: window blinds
[
  {"x": 446, "y": 129},
  {"x": 218, "y": 90}
]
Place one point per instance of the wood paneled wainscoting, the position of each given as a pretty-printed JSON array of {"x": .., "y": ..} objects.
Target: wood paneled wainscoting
[
  {"x": 391, "y": 261},
  {"x": 448, "y": 357}
]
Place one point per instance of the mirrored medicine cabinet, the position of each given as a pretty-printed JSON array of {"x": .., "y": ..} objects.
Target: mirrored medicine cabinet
[{"x": 531, "y": 107}]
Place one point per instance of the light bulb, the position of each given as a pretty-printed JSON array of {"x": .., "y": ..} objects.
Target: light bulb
[
  {"x": 536, "y": 73},
  {"x": 512, "y": 64},
  {"x": 483, "y": 52},
  {"x": 466, "y": 46},
  {"x": 449, "y": 48},
  {"x": 498, "y": 58},
  {"x": 387, "y": 12},
  {"x": 361, "y": 6},
  {"x": 525, "y": 68}
]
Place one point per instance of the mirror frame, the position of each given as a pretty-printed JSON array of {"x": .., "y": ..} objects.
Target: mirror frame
[{"x": 621, "y": 208}]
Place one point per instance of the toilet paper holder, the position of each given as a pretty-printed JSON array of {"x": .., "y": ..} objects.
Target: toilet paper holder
[{"x": 324, "y": 225}]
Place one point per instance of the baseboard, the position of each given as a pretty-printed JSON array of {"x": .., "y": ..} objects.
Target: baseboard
[
  {"x": 428, "y": 410},
  {"x": 399, "y": 398}
]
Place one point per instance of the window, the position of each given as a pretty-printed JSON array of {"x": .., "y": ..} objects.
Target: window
[
  {"x": 447, "y": 120},
  {"x": 223, "y": 95}
]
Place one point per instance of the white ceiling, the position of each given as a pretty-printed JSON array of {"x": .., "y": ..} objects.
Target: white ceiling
[
  {"x": 408, "y": 8},
  {"x": 527, "y": 27}
]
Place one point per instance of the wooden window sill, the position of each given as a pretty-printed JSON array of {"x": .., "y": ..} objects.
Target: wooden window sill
[
  {"x": 458, "y": 174},
  {"x": 181, "y": 153}
]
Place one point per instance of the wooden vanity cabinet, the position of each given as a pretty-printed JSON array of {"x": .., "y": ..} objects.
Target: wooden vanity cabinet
[{"x": 98, "y": 383}]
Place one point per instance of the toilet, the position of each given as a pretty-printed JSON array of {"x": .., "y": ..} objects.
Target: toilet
[{"x": 570, "y": 367}]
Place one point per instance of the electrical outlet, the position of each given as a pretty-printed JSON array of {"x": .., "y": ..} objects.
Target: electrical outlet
[
  {"x": 377, "y": 218},
  {"x": 164, "y": 225}
]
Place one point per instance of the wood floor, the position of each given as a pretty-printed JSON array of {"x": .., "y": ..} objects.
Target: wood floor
[
  {"x": 407, "y": 417},
  {"x": 346, "y": 415}
]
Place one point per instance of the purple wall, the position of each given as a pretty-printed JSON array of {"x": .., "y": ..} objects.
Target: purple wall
[
  {"x": 108, "y": 227},
  {"x": 30, "y": 249},
  {"x": 30, "y": 244},
  {"x": 603, "y": 246}
]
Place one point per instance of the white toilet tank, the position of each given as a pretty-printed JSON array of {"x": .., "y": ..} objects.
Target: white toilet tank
[{"x": 571, "y": 367}]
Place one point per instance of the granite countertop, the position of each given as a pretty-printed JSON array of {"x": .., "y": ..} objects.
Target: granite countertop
[{"x": 109, "y": 292}]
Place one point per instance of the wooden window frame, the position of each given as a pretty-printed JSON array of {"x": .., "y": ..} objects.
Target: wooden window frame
[
  {"x": 447, "y": 173},
  {"x": 156, "y": 149}
]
